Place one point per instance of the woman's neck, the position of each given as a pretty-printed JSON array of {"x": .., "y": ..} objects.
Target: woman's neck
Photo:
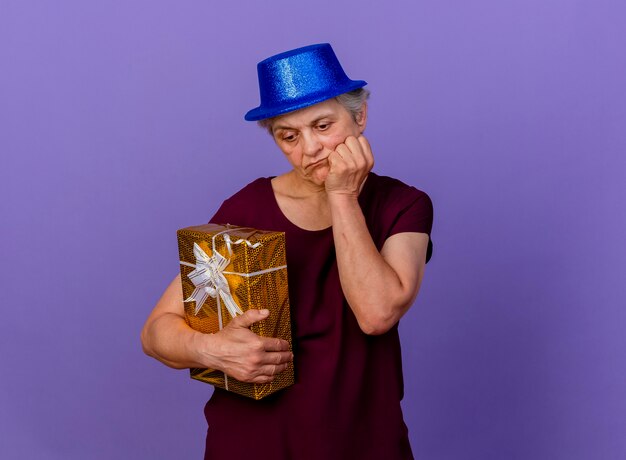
[
  {"x": 303, "y": 203},
  {"x": 292, "y": 186}
]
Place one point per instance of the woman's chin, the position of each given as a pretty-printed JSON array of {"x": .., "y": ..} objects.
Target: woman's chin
[{"x": 319, "y": 175}]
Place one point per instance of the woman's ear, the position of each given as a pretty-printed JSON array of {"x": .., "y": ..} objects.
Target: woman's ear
[{"x": 361, "y": 119}]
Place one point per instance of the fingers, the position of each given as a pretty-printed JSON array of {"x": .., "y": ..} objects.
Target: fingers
[
  {"x": 263, "y": 369},
  {"x": 274, "y": 344},
  {"x": 247, "y": 356},
  {"x": 249, "y": 318},
  {"x": 268, "y": 374},
  {"x": 367, "y": 151},
  {"x": 356, "y": 153},
  {"x": 349, "y": 163},
  {"x": 280, "y": 357},
  {"x": 349, "y": 151},
  {"x": 354, "y": 145}
]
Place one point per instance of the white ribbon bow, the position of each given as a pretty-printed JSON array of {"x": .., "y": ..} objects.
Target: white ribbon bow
[{"x": 209, "y": 280}]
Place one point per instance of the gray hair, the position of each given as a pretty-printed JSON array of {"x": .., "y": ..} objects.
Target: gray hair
[{"x": 352, "y": 101}]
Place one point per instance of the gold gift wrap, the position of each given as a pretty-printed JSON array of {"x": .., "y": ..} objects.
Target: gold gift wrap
[{"x": 226, "y": 270}]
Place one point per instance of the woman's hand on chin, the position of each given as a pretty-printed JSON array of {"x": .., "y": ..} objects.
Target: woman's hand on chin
[{"x": 349, "y": 165}]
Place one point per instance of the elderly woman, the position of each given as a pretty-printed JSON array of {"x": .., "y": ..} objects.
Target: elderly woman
[{"x": 357, "y": 244}]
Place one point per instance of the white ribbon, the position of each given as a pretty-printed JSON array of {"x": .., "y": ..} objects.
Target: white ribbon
[{"x": 209, "y": 280}]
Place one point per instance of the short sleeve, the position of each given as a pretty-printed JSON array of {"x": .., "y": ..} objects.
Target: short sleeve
[
  {"x": 417, "y": 216},
  {"x": 221, "y": 216},
  {"x": 239, "y": 208}
]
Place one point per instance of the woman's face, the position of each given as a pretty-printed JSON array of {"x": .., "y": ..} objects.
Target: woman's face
[{"x": 307, "y": 136}]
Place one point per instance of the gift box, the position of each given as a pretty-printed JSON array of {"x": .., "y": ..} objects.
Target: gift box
[{"x": 226, "y": 270}]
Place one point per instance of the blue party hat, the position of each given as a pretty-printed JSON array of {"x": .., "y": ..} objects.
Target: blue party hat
[{"x": 299, "y": 78}]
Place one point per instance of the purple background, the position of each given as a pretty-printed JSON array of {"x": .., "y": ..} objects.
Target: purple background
[{"x": 121, "y": 122}]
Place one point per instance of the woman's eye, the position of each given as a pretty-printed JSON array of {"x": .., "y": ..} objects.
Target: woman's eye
[
  {"x": 289, "y": 138},
  {"x": 323, "y": 126}
]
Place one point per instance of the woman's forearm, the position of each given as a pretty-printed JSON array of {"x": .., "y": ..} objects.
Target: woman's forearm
[
  {"x": 234, "y": 350},
  {"x": 170, "y": 340},
  {"x": 372, "y": 288}
]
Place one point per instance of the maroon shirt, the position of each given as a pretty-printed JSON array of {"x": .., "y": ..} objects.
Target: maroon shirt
[{"x": 346, "y": 400}]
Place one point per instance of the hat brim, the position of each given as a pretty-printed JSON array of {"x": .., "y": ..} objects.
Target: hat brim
[{"x": 261, "y": 113}]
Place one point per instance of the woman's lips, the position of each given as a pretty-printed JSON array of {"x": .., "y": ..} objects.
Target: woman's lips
[{"x": 317, "y": 163}]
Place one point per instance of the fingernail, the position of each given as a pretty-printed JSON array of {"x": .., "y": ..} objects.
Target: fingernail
[{"x": 265, "y": 311}]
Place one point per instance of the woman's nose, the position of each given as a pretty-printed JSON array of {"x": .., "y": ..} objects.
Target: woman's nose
[{"x": 311, "y": 145}]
